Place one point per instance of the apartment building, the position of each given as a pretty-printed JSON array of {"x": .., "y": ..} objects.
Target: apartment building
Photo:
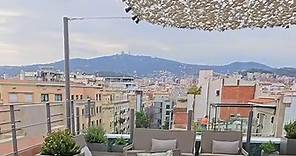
[
  {"x": 115, "y": 111},
  {"x": 31, "y": 96},
  {"x": 162, "y": 111}
]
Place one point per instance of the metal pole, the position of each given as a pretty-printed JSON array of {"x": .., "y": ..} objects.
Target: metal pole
[
  {"x": 249, "y": 132},
  {"x": 88, "y": 115},
  {"x": 77, "y": 121},
  {"x": 13, "y": 130},
  {"x": 215, "y": 119},
  {"x": 132, "y": 124},
  {"x": 67, "y": 72},
  {"x": 193, "y": 106},
  {"x": 48, "y": 121},
  {"x": 189, "y": 122},
  {"x": 72, "y": 117}
]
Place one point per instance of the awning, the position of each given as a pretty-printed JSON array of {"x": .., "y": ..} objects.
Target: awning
[{"x": 216, "y": 15}]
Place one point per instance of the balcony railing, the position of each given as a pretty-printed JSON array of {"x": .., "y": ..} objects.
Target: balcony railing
[{"x": 24, "y": 125}]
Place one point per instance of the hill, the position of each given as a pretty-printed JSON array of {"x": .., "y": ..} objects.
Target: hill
[{"x": 144, "y": 65}]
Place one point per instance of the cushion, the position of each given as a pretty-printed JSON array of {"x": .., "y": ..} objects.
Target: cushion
[
  {"x": 225, "y": 147},
  {"x": 163, "y": 145},
  {"x": 211, "y": 154},
  {"x": 86, "y": 151},
  {"x": 168, "y": 153}
]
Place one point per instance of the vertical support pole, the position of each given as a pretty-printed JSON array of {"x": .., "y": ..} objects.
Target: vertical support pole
[
  {"x": 13, "y": 130},
  {"x": 67, "y": 71},
  {"x": 210, "y": 125},
  {"x": 215, "y": 119},
  {"x": 77, "y": 121},
  {"x": 48, "y": 117},
  {"x": 132, "y": 124},
  {"x": 249, "y": 131},
  {"x": 89, "y": 113},
  {"x": 189, "y": 120},
  {"x": 72, "y": 118},
  {"x": 241, "y": 126}
]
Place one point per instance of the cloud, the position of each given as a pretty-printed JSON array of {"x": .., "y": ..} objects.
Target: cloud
[{"x": 10, "y": 13}]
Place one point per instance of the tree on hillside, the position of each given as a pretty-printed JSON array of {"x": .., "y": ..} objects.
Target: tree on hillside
[{"x": 142, "y": 120}]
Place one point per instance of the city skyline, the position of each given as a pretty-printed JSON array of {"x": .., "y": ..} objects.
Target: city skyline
[{"x": 41, "y": 40}]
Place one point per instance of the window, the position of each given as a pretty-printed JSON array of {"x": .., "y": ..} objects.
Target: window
[
  {"x": 97, "y": 109},
  {"x": 92, "y": 123},
  {"x": 167, "y": 106},
  {"x": 97, "y": 122},
  {"x": 81, "y": 97},
  {"x": 82, "y": 126},
  {"x": 44, "y": 97},
  {"x": 217, "y": 92},
  {"x": 77, "y": 97},
  {"x": 100, "y": 121},
  {"x": 28, "y": 98},
  {"x": 100, "y": 97},
  {"x": 97, "y": 98},
  {"x": 167, "y": 113},
  {"x": 272, "y": 119},
  {"x": 12, "y": 97},
  {"x": 58, "y": 97},
  {"x": 72, "y": 97},
  {"x": 82, "y": 111}
]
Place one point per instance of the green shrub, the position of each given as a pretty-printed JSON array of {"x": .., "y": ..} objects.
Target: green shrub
[
  {"x": 291, "y": 130},
  {"x": 268, "y": 148},
  {"x": 96, "y": 135},
  {"x": 120, "y": 141},
  {"x": 197, "y": 127},
  {"x": 60, "y": 143}
]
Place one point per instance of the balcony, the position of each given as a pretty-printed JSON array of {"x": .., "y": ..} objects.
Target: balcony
[{"x": 23, "y": 127}]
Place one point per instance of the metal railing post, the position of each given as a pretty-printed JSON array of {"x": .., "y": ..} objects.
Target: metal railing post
[
  {"x": 249, "y": 131},
  {"x": 72, "y": 117},
  {"x": 189, "y": 122},
  {"x": 48, "y": 117},
  {"x": 13, "y": 130},
  {"x": 89, "y": 113},
  {"x": 132, "y": 124}
]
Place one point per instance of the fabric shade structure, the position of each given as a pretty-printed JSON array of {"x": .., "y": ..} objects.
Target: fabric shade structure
[{"x": 216, "y": 15}]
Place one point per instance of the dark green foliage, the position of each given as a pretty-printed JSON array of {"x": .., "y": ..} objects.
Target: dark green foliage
[
  {"x": 96, "y": 135},
  {"x": 60, "y": 143},
  {"x": 120, "y": 141},
  {"x": 268, "y": 148},
  {"x": 291, "y": 130},
  {"x": 142, "y": 120}
]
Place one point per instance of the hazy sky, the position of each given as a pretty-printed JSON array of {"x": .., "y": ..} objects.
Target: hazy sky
[{"x": 31, "y": 32}]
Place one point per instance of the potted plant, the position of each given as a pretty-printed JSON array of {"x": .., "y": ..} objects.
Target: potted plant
[
  {"x": 60, "y": 143},
  {"x": 288, "y": 143},
  {"x": 96, "y": 139},
  {"x": 119, "y": 144},
  {"x": 268, "y": 149}
]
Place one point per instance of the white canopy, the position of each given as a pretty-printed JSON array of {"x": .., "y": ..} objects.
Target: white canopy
[{"x": 217, "y": 15}]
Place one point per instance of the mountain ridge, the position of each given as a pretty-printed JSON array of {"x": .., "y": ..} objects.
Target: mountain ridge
[{"x": 144, "y": 65}]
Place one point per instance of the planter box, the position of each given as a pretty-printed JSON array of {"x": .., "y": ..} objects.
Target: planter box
[
  {"x": 264, "y": 154},
  {"x": 288, "y": 146},
  {"x": 81, "y": 154},
  {"x": 97, "y": 147},
  {"x": 117, "y": 148}
]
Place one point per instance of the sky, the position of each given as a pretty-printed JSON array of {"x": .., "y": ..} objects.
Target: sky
[{"x": 31, "y": 32}]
